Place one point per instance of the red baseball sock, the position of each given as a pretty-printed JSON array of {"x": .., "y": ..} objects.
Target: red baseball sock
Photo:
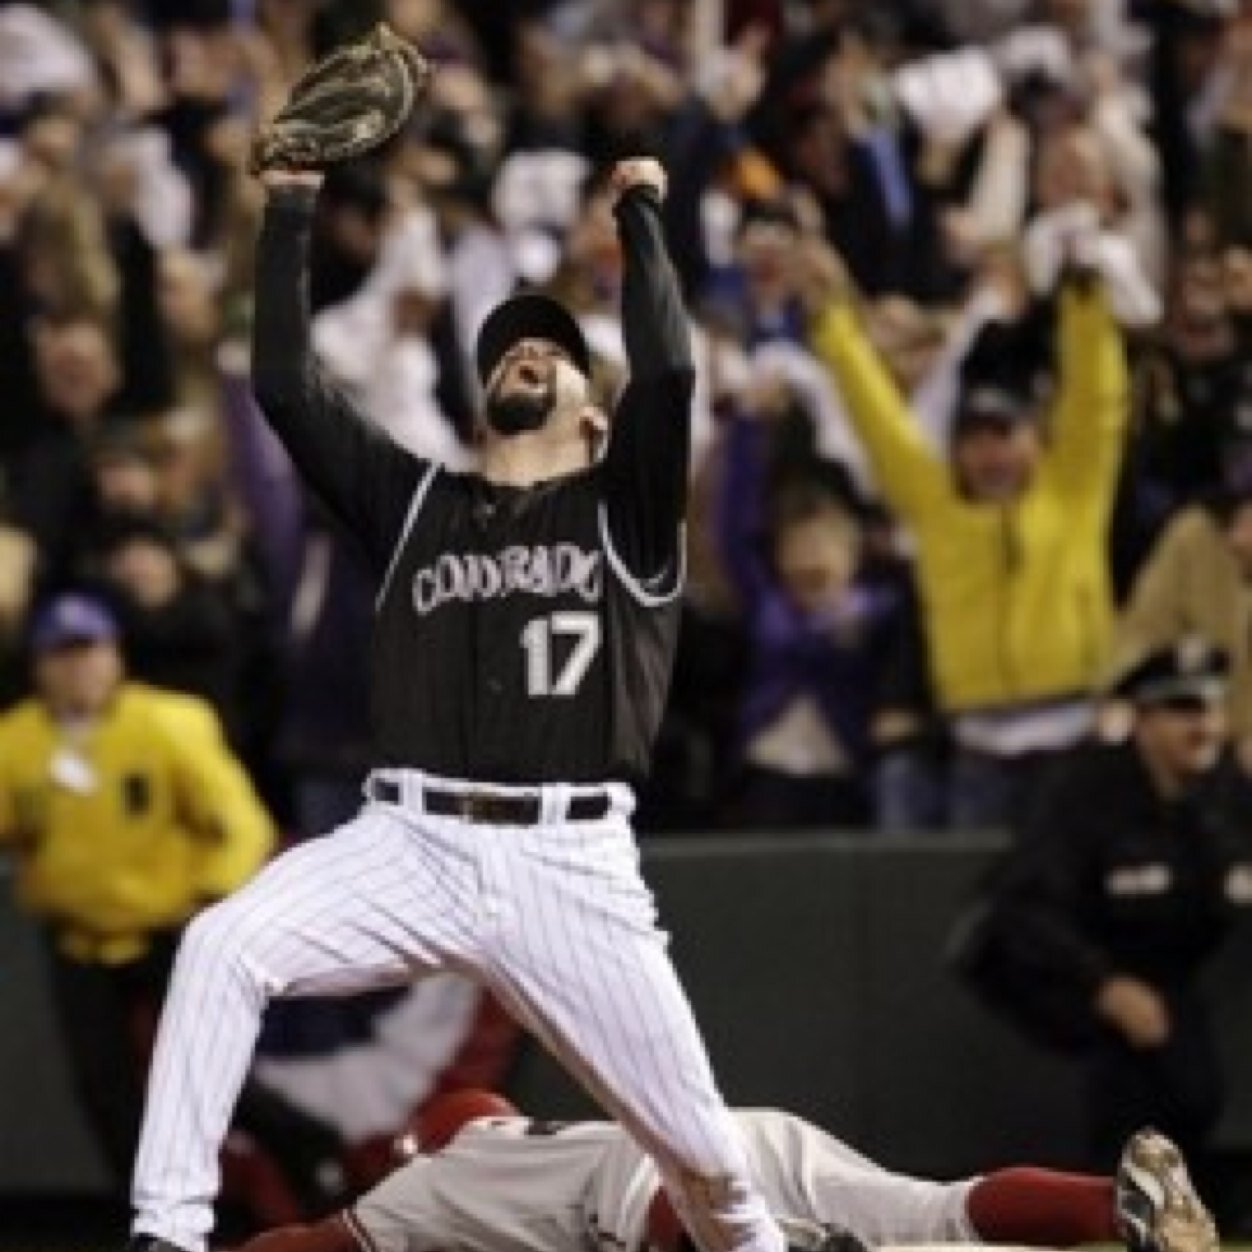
[
  {"x": 1043, "y": 1207},
  {"x": 665, "y": 1231}
]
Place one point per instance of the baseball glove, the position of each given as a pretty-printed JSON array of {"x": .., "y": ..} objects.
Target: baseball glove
[{"x": 347, "y": 103}]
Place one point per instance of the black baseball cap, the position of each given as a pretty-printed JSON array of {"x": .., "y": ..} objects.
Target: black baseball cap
[
  {"x": 1004, "y": 378},
  {"x": 529, "y": 315},
  {"x": 1191, "y": 671}
]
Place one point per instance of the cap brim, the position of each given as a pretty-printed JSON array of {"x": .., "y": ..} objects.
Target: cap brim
[
  {"x": 1210, "y": 690},
  {"x": 529, "y": 316},
  {"x": 992, "y": 406},
  {"x": 71, "y": 639}
]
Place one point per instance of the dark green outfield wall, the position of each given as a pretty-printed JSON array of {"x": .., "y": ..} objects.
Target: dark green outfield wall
[{"x": 815, "y": 966}]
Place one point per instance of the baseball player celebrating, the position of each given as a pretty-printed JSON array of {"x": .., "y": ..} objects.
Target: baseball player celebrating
[
  {"x": 490, "y": 1180},
  {"x": 526, "y": 619}
]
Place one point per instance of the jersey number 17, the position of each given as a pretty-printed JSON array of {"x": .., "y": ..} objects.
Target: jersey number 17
[{"x": 546, "y": 677}]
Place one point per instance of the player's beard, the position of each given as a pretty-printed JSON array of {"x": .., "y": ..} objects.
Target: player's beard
[{"x": 516, "y": 412}]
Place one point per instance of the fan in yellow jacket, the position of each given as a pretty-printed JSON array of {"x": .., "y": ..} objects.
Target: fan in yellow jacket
[
  {"x": 1010, "y": 529},
  {"x": 124, "y": 811},
  {"x": 122, "y": 804}
]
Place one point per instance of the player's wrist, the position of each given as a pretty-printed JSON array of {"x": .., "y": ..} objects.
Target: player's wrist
[
  {"x": 276, "y": 179},
  {"x": 300, "y": 197}
]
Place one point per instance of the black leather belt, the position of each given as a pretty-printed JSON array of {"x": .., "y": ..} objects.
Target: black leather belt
[{"x": 489, "y": 808}]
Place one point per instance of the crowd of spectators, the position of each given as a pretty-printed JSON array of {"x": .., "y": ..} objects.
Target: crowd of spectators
[
  {"x": 912, "y": 536},
  {"x": 971, "y": 284}
]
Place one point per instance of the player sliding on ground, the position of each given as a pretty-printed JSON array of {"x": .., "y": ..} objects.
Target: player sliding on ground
[{"x": 486, "y": 1179}]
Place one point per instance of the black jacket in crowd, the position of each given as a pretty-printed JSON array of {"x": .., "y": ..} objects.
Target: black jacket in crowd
[{"x": 1105, "y": 877}]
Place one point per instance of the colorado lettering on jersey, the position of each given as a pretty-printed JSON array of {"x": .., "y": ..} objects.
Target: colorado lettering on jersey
[{"x": 540, "y": 570}]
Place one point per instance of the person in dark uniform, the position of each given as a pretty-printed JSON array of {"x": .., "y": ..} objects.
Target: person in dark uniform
[
  {"x": 525, "y": 626},
  {"x": 1122, "y": 882}
]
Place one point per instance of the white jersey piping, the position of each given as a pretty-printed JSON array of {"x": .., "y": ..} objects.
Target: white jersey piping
[
  {"x": 409, "y": 518},
  {"x": 636, "y": 588}
]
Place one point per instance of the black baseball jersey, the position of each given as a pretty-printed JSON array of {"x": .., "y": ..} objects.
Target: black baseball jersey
[{"x": 522, "y": 635}]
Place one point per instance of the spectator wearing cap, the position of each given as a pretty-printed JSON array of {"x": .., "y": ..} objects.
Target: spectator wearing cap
[
  {"x": 1010, "y": 530},
  {"x": 1198, "y": 580},
  {"x": 1124, "y": 880},
  {"x": 124, "y": 812}
]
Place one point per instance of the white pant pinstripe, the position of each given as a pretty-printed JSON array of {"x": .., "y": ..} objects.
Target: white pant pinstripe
[{"x": 555, "y": 918}]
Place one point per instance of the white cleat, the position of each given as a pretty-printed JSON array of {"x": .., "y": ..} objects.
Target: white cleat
[{"x": 1158, "y": 1209}]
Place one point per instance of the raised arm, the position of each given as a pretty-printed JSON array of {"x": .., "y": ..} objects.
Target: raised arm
[
  {"x": 649, "y": 445},
  {"x": 1093, "y": 396},
  {"x": 365, "y": 480},
  {"x": 907, "y": 469}
]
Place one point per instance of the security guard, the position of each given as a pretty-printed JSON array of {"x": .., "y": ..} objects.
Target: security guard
[
  {"x": 125, "y": 812},
  {"x": 1122, "y": 881}
]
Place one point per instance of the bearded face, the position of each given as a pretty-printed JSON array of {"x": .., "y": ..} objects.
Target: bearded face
[
  {"x": 513, "y": 412},
  {"x": 522, "y": 393}
]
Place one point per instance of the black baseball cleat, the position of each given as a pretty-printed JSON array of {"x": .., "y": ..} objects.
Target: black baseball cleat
[
  {"x": 1157, "y": 1207},
  {"x": 150, "y": 1243},
  {"x": 806, "y": 1236},
  {"x": 839, "y": 1240}
]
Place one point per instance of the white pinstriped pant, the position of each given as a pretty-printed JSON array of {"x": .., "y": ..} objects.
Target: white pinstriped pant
[{"x": 554, "y": 918}]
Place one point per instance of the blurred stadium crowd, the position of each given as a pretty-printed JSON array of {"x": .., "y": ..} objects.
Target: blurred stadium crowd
[{"x": 1038, "y": 212}]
